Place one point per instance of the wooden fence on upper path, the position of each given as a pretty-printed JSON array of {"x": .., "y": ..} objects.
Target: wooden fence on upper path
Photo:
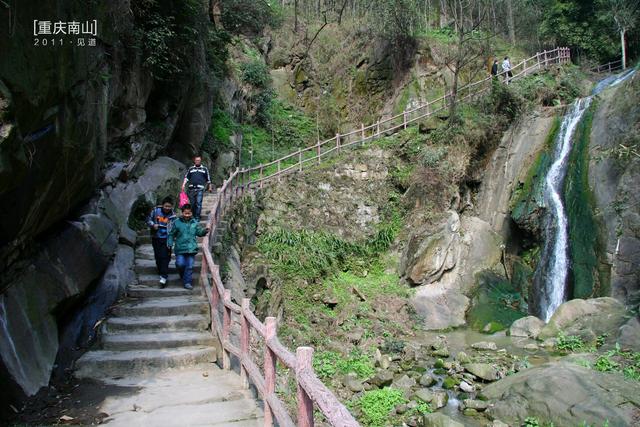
[{"x": 311, "y": 392}]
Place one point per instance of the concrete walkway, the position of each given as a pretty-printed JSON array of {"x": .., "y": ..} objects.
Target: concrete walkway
[{"x": 158, "y": 346}]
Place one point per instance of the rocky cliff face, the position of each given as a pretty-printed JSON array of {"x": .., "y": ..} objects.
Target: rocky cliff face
[
  {"x": 79, "y": 129},
  {"x": 614, "y": 176}
]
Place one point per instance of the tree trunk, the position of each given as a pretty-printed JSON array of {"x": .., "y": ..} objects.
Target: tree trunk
[
  {"x": 510, "y": 22},
  {"x": 624, "y": 53},
  {"x": 444, "y": 20},
  {"x": 295, "y": 16}
]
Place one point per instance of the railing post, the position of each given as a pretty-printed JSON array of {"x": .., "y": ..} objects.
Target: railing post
[
  {"x": 338, "y": 141},
  {"x": 538, "y": 59},
  {"x": 378, "y": 128},
  {"x": 226, "y": 329},
  {"x": 261, "y": 175},
  {"x": 304, "y": 361},
  {"x": 300, "y": 160},
  {"x": 609, "y": 67},
  {"x": 279, "y": 170},
  {"x": 524, "y": 67},
  {"x": 427, "y": 108},
  {"x": 215, "y": 296},
  {"x": 270, "y": 324},
  {"x": 318, "y": 151},
  {"x": 362, "y": 131},
  {"x": 404, "y": 119},
  {"x": 244, "y": 341},
  {"x": 545, "y": 59}
]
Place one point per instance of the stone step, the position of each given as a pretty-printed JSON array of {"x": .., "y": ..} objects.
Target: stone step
[
  {"x": 169, "y": 306},
  {"x": 106, "y": 363},
  {"x": 233, "y": 413},
  {"x": 172, "y": 290},
  {"x": 148, "y": 266},
  {"x": 157, "y": 341},
  {"x": 146, "y": 252},
  {"x": 145, "y": 239},
  {"x": 191, "y": 322},
  {"x": 153, "y": 280}
]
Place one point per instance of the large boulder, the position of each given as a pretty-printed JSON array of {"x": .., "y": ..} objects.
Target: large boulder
[
  {"x": 440, "y": 420},
  {"x": 446, "y": 265},
  {"x": 529, "y": 326},
  {"x": 565, "y": 394},
  {"x": 629, "y": 335},
  {"x": 586, "y": 318}
]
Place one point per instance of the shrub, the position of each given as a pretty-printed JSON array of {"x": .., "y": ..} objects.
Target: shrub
[{"x": 255, "y": 73}]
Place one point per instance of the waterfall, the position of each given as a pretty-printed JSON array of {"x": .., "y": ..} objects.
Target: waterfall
[{"x": 553, "y": 268}]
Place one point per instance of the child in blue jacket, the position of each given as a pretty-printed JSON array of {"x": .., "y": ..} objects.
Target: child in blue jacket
[{"x": 159, "y": 222}]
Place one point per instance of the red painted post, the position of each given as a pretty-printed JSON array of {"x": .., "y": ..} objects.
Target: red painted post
[
  {"x": 244, "y": 341},
  {"x": 261, "y": 174},
  {"x": 270, "y": 324},
  {"x": 279, "y": 170},
  {"x": 304, "y": 361},
  {"x": 226, "y": 329},
  {"x": 214, "y": 289}
]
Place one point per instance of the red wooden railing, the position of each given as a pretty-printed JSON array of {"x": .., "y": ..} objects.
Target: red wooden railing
[{"x": 311, "y": 392}]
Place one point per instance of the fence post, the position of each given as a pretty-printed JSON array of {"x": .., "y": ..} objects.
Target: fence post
[
  {"x": 338, "y": 141},
  {"x": 545, "y": 59},
  {"x": 261, "y": 174},
  {"x": 304, "y": 361},
  {"x": 226, "y": 329},
  {"x": 300, "y": 159},
  {"x": 609, "y": 67},
  {"x": 215, "y": 296},
  {"x": 524, "y": 67},
  {"x": 404, "y": 119},
  {"x": 270, "y": 324},
  {"x": 278, "y": 170},
  {"x": 378, "y": 128},
  {"x": 538, "y": 59},
  {"x": 362, "y": 131},
  {"x": 318, "y": 149},
  {"x": 244, "y": 341}
]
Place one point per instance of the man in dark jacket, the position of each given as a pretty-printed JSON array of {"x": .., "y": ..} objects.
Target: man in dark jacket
[
  {"x": 183, "y": 238},
  {"x": 196, "y": 181},
  {"x": 159, "y": 221},
  {"x": 494, "y": 69}
]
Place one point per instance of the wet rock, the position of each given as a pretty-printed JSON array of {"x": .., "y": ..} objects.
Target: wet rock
[
  {"x": 440, "y": 399},
  {"x": 466, "y": 387},
  {"x": 404, "y": 383},
  {"x": 531, "y": 347},
  {"x": 562, "y": 392},
  {"x": 483, "y": 370},
  {"x": 586, "y": 317},
  {"x": 462, "y": 357},
  {"x": 440, "y": 420},
  {"x": 630, "y": 335},
  {"x": 449, "y": 383},
  {"x": 469, "y": 412},
  {"x": 529, "y": 326},
  {"x": 485, "y": 345},
  {"x": 427, "y": 380},
  {"x": 353, "y": 383},
  {"x": 424, "y": 394},
  {"x": 442, "y": 352},
  {"x": 439, "y": 364},
  {"x": 549, "y": 343},
  {"x": 478, "y": 405},
  {"x": 401, "y": 409},
  {"x": 498, "y": 423},
  {"x": 382, "y": 378}
]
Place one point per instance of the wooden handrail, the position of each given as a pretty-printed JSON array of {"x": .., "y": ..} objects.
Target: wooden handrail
[
  {"x": 311, "y": 392},
  {"x": 608, "y": 67}
]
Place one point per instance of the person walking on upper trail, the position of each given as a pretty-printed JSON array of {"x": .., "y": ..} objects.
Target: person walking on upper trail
[
  {"x": 506, "y": 69},
  {"x": 494, "y": 69},
  {"x": 159, "y": 222},
  {"x": 196, "y": 181},
  {"x": 183, "y": 236}
]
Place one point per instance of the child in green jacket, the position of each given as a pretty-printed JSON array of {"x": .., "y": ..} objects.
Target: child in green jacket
[{"x": 183, "y": 237}]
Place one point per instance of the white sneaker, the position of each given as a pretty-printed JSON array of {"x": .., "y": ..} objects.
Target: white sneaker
[{"x": 163, "y": 280}]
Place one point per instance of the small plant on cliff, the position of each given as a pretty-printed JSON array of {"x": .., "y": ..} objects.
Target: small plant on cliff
[{"x": 569, "y": 343}]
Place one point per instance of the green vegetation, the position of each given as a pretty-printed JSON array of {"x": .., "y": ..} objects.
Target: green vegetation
[
  {"x": 588, "y": 258},
  {"x": 570, "y": 343},
  {"x": 376, "y": 405},
  {"x": 329, "y": 363}
]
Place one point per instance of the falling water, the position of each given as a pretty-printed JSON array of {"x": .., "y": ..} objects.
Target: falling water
[
  {"x": 553, "y": 268},
  {"x": 556, "y": 250}
]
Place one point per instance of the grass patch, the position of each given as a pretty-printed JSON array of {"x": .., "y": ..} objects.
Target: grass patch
[
  {"x": 328, "y": 363},
  {"x": 376, "y": 405}
]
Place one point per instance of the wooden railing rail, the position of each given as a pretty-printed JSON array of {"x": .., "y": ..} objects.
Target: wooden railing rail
[
  {"x": 226, "y": 315},
  {"x": 609, "y": 67}
]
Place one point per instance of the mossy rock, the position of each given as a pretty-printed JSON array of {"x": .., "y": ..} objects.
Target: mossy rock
[{"x": 450, "y": 383}]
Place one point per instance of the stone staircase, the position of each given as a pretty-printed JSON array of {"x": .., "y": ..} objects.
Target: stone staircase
[{"x": 164, "y": 333}]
